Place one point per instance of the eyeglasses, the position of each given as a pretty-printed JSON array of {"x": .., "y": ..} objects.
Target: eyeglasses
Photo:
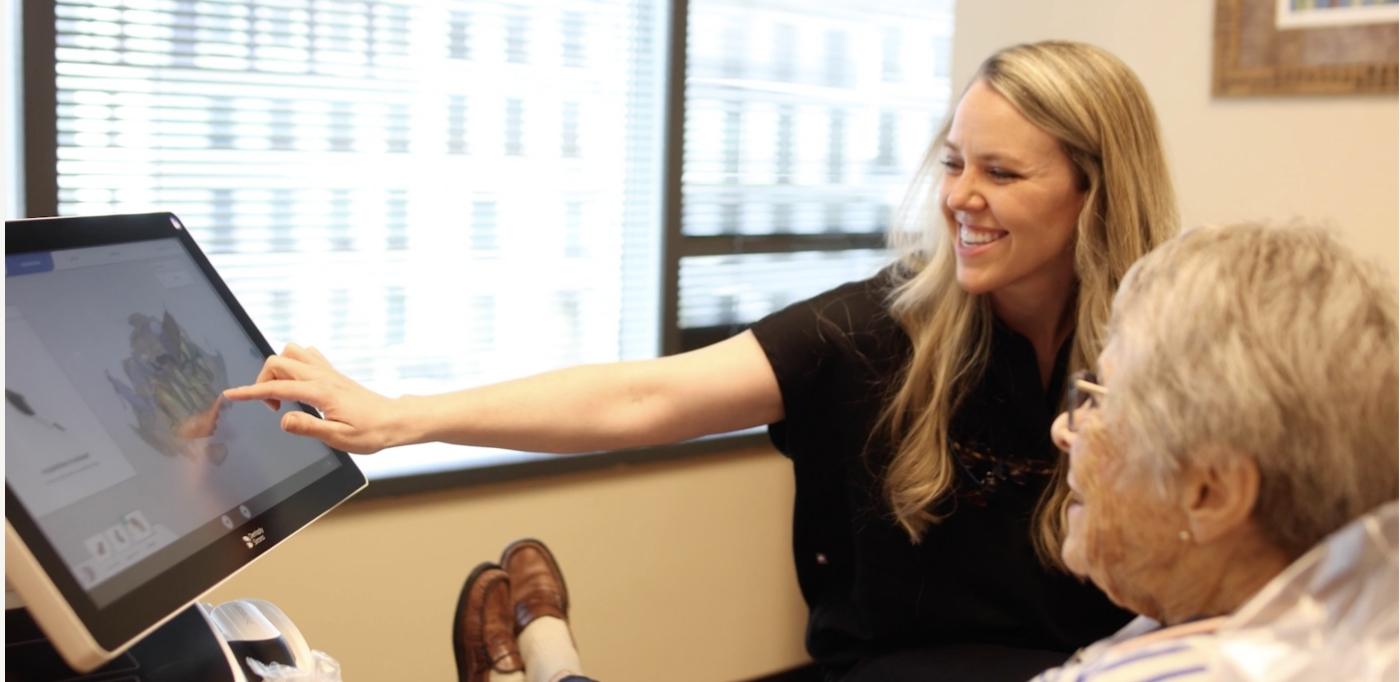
[{"x": 1084, "y": 391}]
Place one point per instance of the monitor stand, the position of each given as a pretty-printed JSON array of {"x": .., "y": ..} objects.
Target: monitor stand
[{"x": 185, "y": 648}]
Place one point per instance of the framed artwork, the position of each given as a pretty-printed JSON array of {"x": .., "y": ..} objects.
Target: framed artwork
[{"x": 1305, "y": 47}]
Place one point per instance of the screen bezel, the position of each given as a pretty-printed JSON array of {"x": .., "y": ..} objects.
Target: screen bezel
[{"x": 114, "y": 625}]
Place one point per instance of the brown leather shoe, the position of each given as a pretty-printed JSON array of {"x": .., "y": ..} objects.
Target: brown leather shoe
[
  {"x": 536, "y": 583},
  {"x": 483, "y": 633}
]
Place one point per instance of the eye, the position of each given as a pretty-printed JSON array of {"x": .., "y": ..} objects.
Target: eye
[
  {"x": 951, "y": 165},
  {"x": 1002, "y": 174}
]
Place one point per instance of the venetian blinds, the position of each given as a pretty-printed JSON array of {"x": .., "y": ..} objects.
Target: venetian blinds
[
  {"x": 805, "y": 122},
  {"x": 435, "y": 193}
]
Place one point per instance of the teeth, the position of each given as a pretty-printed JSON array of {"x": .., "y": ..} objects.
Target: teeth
[{"x": 971, "y": 237}]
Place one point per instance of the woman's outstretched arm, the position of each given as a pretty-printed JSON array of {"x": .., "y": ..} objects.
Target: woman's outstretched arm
[{"x": 722, "y": 387}]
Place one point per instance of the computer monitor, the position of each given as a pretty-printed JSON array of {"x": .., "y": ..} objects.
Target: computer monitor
[{"x": 131, "y": 486}]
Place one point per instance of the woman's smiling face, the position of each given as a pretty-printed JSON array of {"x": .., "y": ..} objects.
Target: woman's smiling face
[{"x": 1011, "y": 198}]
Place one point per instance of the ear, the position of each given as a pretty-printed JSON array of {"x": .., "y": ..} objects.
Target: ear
[{"x": 1219, "y": 494}]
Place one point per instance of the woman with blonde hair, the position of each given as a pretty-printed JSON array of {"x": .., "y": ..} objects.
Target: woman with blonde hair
[{"x": 915, "y": 405}]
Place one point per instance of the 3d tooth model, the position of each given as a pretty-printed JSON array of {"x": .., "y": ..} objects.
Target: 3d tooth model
[{"x": 175, "y": 389}]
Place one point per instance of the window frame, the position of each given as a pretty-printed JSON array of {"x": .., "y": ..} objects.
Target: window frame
[{"x": 40, "y": 198}]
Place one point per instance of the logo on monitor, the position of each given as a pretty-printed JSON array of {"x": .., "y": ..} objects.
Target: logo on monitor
[{"x": 254, "y": 538}]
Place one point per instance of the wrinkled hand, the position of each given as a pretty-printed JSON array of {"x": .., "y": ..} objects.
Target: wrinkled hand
[{"x": 355, "y": 419}]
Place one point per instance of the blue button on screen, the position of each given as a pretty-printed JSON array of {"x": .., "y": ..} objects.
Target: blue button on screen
[{"x": 28, "y": 263}]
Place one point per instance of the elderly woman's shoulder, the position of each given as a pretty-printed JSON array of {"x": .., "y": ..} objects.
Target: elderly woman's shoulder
[{"x": 1332, "y": 614}]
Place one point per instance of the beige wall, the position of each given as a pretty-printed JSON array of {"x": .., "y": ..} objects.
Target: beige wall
[
  {"x": 1328, "y": 159},
  {"x": 681, "y": 570},
  {"x": 677, "y": 571}
]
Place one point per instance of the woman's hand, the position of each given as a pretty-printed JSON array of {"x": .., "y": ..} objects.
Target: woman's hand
[{"x": 355, "y": 419}]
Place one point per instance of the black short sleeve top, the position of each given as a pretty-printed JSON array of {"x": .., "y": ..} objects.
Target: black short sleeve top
[{"x": 973, "y": 578}]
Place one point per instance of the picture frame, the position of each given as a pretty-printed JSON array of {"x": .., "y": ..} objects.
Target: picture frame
[{"x": 1285, "y": 47}]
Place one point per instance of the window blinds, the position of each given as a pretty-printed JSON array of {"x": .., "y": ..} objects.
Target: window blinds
[
  {"x": 436, "y": 194},
  {"x": 444, "y": 193},
  {"x": 802, "y": 119}
]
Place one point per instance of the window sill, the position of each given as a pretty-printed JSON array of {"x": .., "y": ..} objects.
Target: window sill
[{"x": 521, "y": 466}]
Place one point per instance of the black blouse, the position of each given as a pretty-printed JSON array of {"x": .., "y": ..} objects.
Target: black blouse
[{"x": 974, "y": 579}]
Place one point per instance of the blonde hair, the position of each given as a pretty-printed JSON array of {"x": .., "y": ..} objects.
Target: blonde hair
[
  {"x": 1094, "y": 105},
  {"x": 1272, "y": 343}
]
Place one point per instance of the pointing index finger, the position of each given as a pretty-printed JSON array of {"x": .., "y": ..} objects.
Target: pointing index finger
[{"x": 277, "y": 390}]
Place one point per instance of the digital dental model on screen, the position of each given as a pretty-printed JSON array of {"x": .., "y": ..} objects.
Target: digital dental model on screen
[{"x": 132, "y": 486}]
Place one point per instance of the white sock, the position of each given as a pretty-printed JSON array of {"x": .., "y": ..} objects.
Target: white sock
[
  {"x": 496, "y": 676},
  {"x": 548, "y": 649}
]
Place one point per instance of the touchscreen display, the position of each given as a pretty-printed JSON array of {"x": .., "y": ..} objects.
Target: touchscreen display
[{"x": 118, "y": 442}]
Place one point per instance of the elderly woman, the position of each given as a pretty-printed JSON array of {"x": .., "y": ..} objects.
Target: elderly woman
[{"x": 1243, "y": 410}]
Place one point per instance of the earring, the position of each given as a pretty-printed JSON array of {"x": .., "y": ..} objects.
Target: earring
[{"x": 1185, "y": 535}]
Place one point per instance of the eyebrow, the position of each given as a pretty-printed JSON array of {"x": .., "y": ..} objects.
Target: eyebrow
[{"x": 991, "y": 157}]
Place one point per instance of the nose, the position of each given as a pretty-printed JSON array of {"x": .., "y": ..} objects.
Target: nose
[
  {"x": 961, "y": 192},
  {"x": 1060, "y": 433}
]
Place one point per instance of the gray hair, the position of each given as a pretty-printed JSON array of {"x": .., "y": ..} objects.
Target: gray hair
[{"x": 1274, "y": 342}]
